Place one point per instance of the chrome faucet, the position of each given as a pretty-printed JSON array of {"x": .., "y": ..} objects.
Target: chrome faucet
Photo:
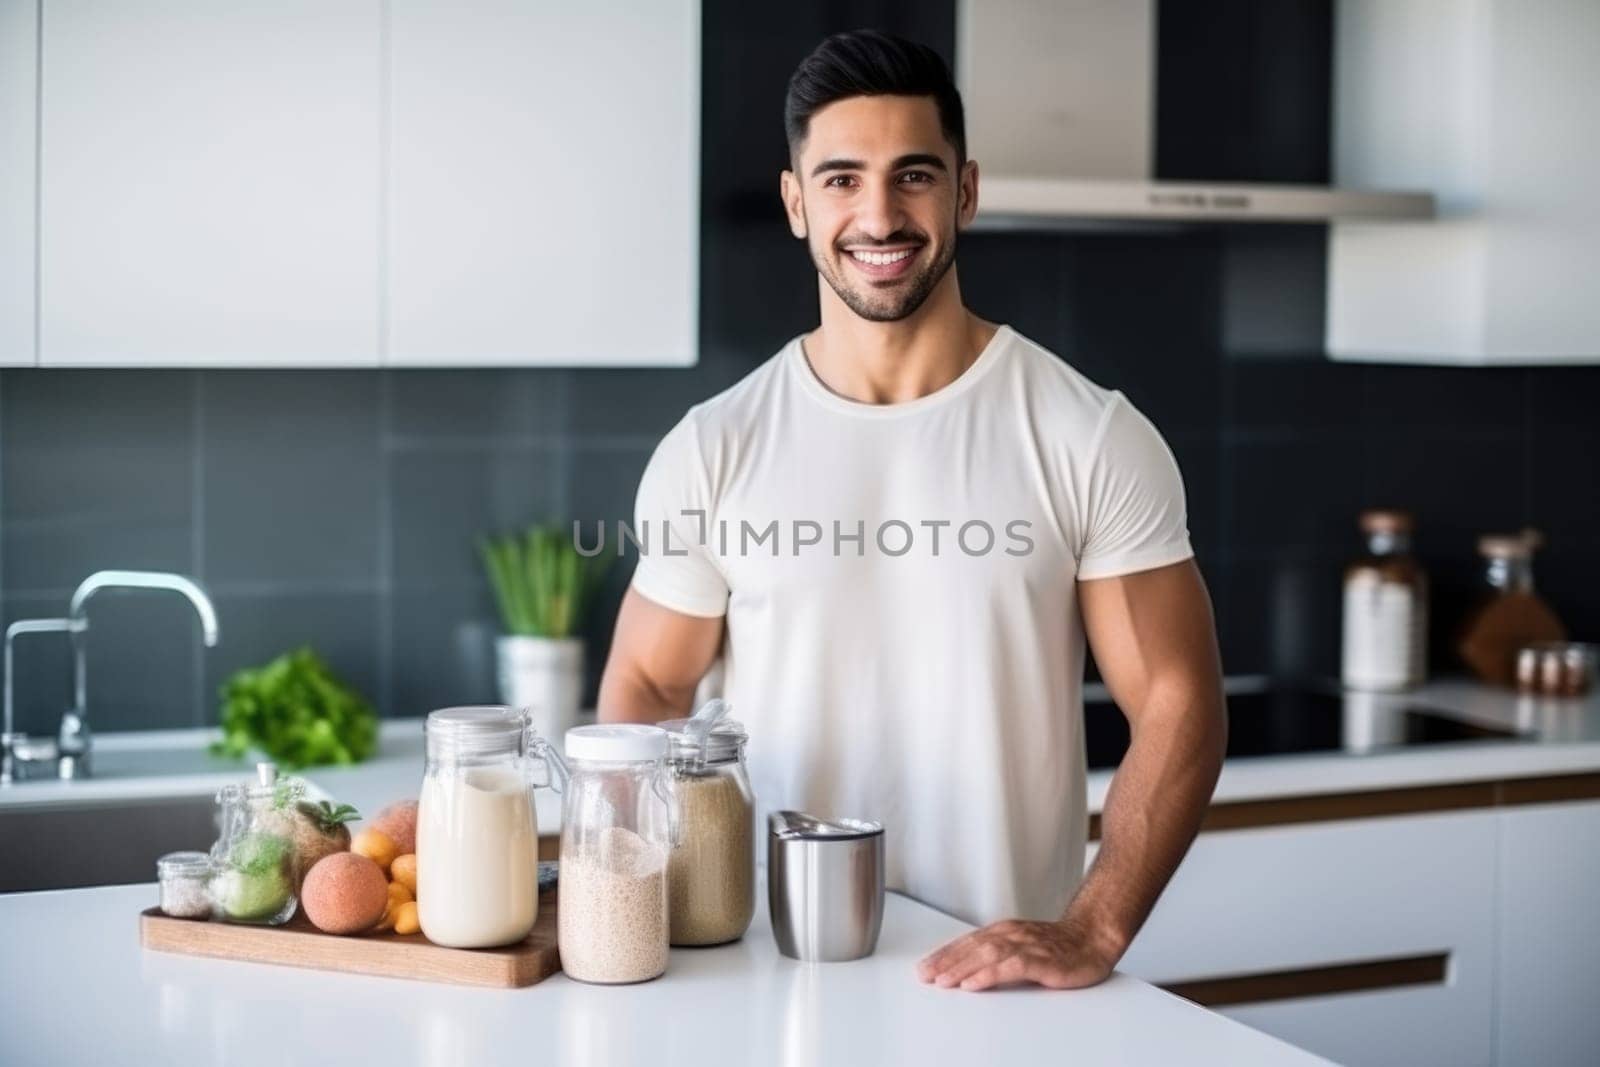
[
  {"x": 17, "y": 750},
  {"x": 73, "y": 742}
]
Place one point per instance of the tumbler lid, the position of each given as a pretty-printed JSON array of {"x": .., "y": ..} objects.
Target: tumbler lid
[{"x": 802, "y": 825}]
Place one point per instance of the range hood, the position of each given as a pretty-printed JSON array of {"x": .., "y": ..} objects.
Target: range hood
[{"x": 1060, "y": 107}]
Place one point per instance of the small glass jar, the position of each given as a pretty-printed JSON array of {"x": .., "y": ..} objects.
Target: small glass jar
[
  {"x": 1509, "y": 613},
  {"x": 254, "y": 867},
  {"x": 711, "y": 875},
  {"x": 618, "y": 827},
  {"x": 185, "y": 884},
  {"x": 477, "y": 834}
]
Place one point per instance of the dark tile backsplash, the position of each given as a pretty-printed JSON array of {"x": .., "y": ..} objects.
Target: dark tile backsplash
[
  {"x": 143, "y": 656},
  {"x": 442, "y": 407},
  {"x": 94, "y": 466},
  {"x": 290, "y": 479},
  {"x": 1290, "y": 493},
  {"x": 439, "y": 502},
  {"x": 338, "y": 508},
  {"x": 258, "y": 626}
]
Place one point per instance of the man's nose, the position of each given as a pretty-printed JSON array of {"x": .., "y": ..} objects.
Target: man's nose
[{"x": 879, "y": 213}]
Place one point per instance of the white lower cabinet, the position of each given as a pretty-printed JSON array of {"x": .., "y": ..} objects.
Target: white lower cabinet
[
  {"x": 1260, "y": 902},
  {"x": 1423, "y": 1025},
  {"x": 1549, "y": 935}
]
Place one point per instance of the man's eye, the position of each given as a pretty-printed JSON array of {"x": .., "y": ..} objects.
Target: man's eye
[
  {"x": 837, "y": 181},
  {"x": 916, "y": 176}
]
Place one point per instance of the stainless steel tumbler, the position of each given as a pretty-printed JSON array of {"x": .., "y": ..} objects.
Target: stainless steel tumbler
[{"x": 824, "y": 886}]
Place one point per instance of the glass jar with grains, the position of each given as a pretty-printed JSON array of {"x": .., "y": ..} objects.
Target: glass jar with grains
[
  {"x": 711, "y": 874},
  {"x": 619, "y": 824}
]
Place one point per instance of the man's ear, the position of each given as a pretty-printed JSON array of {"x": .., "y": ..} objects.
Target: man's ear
[
  {"x": 967, "y": 192},
  {"x": 789, "y": 190}
]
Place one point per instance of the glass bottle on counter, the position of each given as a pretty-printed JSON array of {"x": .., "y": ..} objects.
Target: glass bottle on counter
[
  {"x": 254, "y": 866},
  {"x": 1385, "y": 631},
  {"x": 711, "y": 874},
  {"x": 477, "y": 834},
  {"x": 619, "y": 824},
  {"x": 1509, "y": 614}
]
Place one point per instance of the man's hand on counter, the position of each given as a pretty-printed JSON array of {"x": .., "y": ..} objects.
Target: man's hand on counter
[
  {"x": 1056, "y": 955},
  {"x": 1152, "y": 636}
]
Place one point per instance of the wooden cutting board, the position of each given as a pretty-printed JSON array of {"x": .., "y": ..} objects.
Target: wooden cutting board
[{"x": 299, "y": 944}]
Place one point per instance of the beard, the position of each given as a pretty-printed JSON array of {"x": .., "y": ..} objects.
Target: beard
[{"x": 900, "y": 299}]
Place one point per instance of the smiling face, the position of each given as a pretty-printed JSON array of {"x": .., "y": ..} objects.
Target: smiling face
[{"x": 878, "y": 195}]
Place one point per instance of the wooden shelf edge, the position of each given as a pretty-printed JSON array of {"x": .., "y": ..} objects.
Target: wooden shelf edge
[
  {"x": 1408, "y": 800},
  {"x": 1362, "y": 977}
]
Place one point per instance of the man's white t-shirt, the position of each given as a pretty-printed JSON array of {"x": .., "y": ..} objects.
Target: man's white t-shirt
[{"x": 903, "y": 637}]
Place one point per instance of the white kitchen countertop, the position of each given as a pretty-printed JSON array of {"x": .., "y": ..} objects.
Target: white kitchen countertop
[{"x": 77, "y": 988}]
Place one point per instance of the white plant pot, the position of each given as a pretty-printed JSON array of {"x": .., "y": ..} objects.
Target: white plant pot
[{"x": 544, "y": 675}]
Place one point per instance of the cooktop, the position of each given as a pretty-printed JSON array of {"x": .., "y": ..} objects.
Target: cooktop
[{"x": 1276, "y": 721}]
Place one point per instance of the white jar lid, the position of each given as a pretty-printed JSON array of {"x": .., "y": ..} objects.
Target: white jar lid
[
  {"x": 617, "y": 742},
  {"x": 474, "y": 731}
]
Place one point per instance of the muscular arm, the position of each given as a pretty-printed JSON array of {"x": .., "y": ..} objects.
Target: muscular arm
[
  {"x": 658, "y": 657},
  {"x": 1153, "y": 639}
]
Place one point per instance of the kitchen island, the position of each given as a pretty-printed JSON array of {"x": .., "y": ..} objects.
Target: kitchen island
[
  {"x": 1425, "y": 904},
  {"x": 78, "y": 989}
]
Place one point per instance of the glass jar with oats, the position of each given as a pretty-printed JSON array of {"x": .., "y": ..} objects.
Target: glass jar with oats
[{"x": 711, "y": 874}]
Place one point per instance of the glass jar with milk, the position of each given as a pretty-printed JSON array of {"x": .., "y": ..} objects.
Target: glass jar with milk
[{"x": 477, "y": 837}]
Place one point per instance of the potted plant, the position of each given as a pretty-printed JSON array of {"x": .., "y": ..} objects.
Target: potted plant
[{"x": 544, "y": 587}]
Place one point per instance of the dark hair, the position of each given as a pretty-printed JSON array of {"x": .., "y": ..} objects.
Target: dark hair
[{"x": 872, "y": 63}]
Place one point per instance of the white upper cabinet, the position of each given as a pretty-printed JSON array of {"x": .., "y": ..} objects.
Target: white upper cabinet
[
  {"x": 349, "y": 182},
  {"x": 19, "y": 38},
  {"x": 1492, "y": 105},
  {"x": 543, "y": 193},
  {"x": 210, "y": 177}
]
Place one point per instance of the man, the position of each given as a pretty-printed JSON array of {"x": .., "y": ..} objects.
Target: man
[{"x": 898, "y": 532}]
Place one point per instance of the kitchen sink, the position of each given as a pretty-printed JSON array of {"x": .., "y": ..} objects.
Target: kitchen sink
[
  {"x": 130, "y": 767},
  {"x": 63, "y": 844}
]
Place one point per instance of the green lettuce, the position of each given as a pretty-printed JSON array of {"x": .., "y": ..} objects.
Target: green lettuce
[{"x": 295, "y": 710}]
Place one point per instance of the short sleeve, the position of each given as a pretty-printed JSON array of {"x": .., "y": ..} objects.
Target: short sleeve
[
  {"x": 671, "y": 516},
  {"x": 1135, "y": 518}
]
